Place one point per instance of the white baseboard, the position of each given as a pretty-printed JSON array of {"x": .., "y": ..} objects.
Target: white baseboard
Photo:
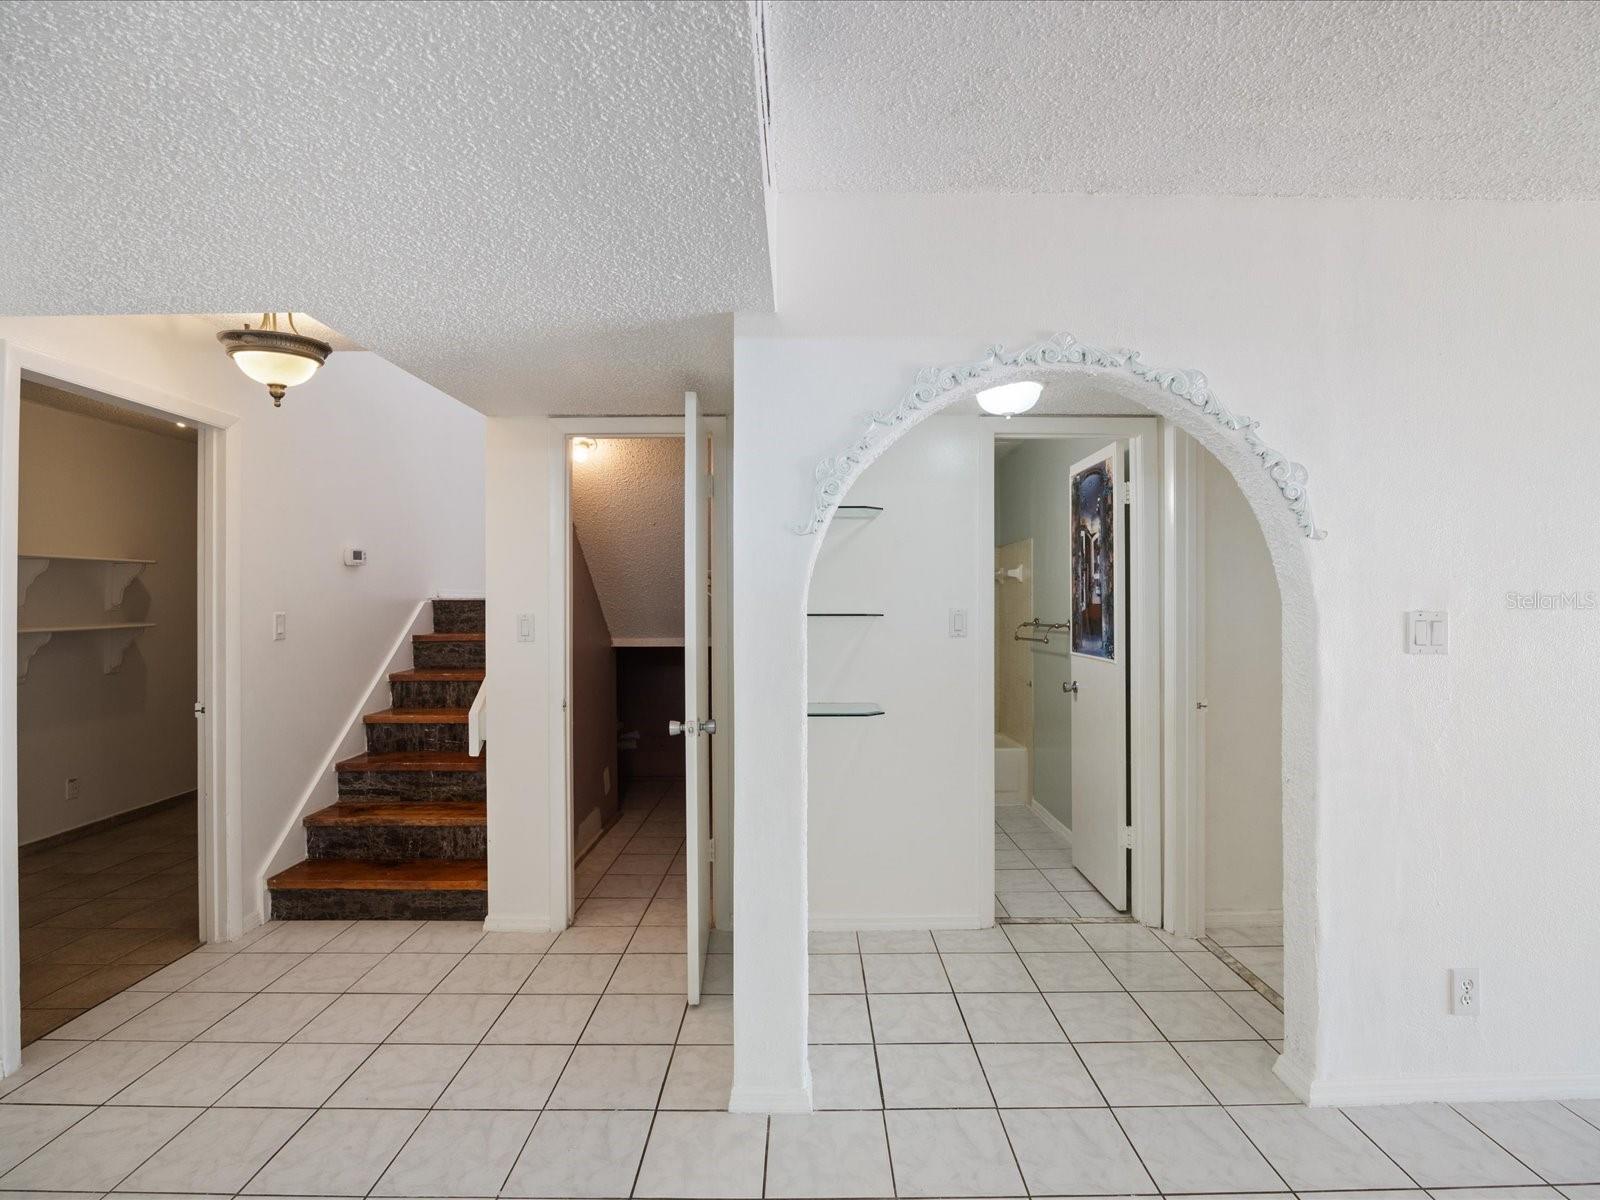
[
  {"x": 1453, "y": 1089},
  {"x": 1265, "y": 916},
  {"x": 516, "y": 923},
  {"x": 771, "y": 1100},
  {"x": 447, "y": 594},
  {"x": 850, "y": 924},
  {"x": 1050, "y": 819}
]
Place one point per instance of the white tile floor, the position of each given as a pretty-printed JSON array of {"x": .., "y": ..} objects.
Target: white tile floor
[{"x": 433, "y": 1060}]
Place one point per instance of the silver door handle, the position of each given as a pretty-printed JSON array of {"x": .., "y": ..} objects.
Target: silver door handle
[
  {"x": 690, "y": 728},
  {"x": 1070, "y": 688}
]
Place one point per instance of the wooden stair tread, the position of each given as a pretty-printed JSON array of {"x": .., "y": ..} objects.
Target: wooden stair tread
[
  {"x": 414, "y": 760},
  {"x": 357, "y": 813},
  {"x": 447, "y": 637},
  {"x": 418, "y": 875},
  {"x": 417, "y": 716},
  {"x": 438, "y": 675}
]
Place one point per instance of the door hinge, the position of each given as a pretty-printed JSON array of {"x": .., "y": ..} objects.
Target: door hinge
[
  {"x": 1127, "y": 837},
  {"x": 711, "y": 850},
  {"x": 199, "y": 709}
]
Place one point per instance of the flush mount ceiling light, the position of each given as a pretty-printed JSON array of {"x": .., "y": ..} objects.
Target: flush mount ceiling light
[
  {"x": 276, "y": 357},
  {"x": 1009, "y": 399},
  {"x": 582, "y": 449}
]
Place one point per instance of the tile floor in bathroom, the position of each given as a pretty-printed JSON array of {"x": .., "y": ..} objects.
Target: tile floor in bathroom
[{"x": 434, "y": 1060}]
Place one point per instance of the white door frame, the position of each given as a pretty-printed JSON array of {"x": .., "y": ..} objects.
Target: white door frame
[
  {"x": 1144, "y": 623},
  {"x": 1183, "y": 682},
  {"x": 564, "y": 429},
  {"x": 219, "y": 685}
]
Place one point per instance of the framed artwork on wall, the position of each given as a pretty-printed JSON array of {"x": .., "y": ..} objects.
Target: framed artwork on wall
[{"x": 1093, "y": 531}]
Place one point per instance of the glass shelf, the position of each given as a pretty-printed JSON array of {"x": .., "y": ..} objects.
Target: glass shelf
[
  {"x": 844, "y": 614},
  {"x": 858, "y": 512},
  {"x": 843, "y": 708}
]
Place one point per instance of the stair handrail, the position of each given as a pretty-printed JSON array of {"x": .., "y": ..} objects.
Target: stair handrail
[{"x": 477, "y": 720}]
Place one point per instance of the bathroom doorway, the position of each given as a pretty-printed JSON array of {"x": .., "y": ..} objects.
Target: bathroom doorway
[{"x": 1064, "y": 613}]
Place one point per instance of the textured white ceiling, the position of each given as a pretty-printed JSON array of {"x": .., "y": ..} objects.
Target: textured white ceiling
[
  {"x": 627, "y": 506},
  {"x": 1404, "y": 98},
  {"x": 535, "y": 206}
]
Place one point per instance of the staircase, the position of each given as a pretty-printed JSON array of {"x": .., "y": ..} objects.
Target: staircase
[{"x": 408, "y": 837}]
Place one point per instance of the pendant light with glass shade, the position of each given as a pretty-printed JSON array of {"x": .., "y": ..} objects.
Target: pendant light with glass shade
[{"x": 279, "y": 358}]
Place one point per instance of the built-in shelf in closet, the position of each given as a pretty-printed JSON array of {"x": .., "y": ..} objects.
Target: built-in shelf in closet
[
  {"x": 114, "y": 637},
  {"x": 117, "y": 573}
]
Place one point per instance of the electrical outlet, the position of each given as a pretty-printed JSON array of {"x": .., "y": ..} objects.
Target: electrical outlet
[
  {"x": 72, "y": 791},
  {"x": 1466, "y": 996}
]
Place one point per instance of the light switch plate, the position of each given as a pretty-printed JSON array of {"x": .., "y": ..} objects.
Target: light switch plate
[
  {"x": 1427, "y": 631},
  {"x": 524, "y": 627},
  {"x": 958, "y": 622},
  {"x": 280, "y": 626}
]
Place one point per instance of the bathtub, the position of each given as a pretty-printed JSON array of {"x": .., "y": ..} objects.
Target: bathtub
[{"x": 1011, "y": 774}]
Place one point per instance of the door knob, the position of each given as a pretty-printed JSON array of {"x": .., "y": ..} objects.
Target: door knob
[
  {"x": 709, "y": 725},
  {"x": 685, "y": 728},
  {"x": 1070, "y": 688}
]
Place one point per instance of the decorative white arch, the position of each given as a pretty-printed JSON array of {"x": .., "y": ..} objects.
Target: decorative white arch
[
  {"x": 937, "y": 387},
  {"x": 1275, "y": 488}
]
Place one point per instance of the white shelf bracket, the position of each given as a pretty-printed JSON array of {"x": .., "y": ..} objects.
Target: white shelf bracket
[
  {"x": 28, "y": 570},
  {"x": 114, "y": 644},
  {"x": 118, "y": 576},
  {"x": 28, "y": 644}
]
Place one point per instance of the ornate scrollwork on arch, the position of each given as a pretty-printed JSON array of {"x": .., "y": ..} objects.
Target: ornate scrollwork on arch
[{"x": 931, "y": 390}]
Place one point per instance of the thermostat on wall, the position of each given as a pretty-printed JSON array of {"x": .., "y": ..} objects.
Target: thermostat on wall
[{"x": 355, "y": 558}]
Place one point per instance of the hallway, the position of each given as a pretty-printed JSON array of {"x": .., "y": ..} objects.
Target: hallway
[{"x": 432, "y": 1059}]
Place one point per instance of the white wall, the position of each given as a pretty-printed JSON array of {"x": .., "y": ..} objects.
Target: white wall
[
  {"x": 93, "y": 487},
  {"x": 1382, "y": 343},
  {"x": 1243, "y": 652},
  {"x": 363, "y": 455},
  {"x": 899, "y": 802},
  {"x": 524, "y": 697}
]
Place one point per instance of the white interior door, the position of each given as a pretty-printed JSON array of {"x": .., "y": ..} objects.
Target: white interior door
[
  {"x": 1099, "y": 672},
  {"x": 697, "y": 725}
]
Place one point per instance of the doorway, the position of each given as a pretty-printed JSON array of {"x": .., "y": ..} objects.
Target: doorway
[
  {"x": 155, "y": 833},
  {"x": 1062, "y": 654},
  {"x": 647, "y": 767},
  {"x": 106, "y": 741}
]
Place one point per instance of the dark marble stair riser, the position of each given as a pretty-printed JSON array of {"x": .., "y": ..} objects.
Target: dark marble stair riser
[
  {"x": 397, "y": 843},
  {"x": 447, "y": 656},
  {"x": 399, "y": 737},
  {"x": 414, "y": 785},
  {"x": 339, "y": 904},
  {"x": 433, "y": 693},
  {"x": 458, "y": 616}
]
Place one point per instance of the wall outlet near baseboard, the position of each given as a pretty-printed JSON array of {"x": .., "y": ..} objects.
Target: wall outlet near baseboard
[{"x": 1465, "y": 992}]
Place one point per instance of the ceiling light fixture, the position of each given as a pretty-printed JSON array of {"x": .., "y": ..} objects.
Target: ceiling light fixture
[
  {"x": 1009, "y": 399},
  {"x": 582, "y": 449},
  {"x": 276, "y": 357}
]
